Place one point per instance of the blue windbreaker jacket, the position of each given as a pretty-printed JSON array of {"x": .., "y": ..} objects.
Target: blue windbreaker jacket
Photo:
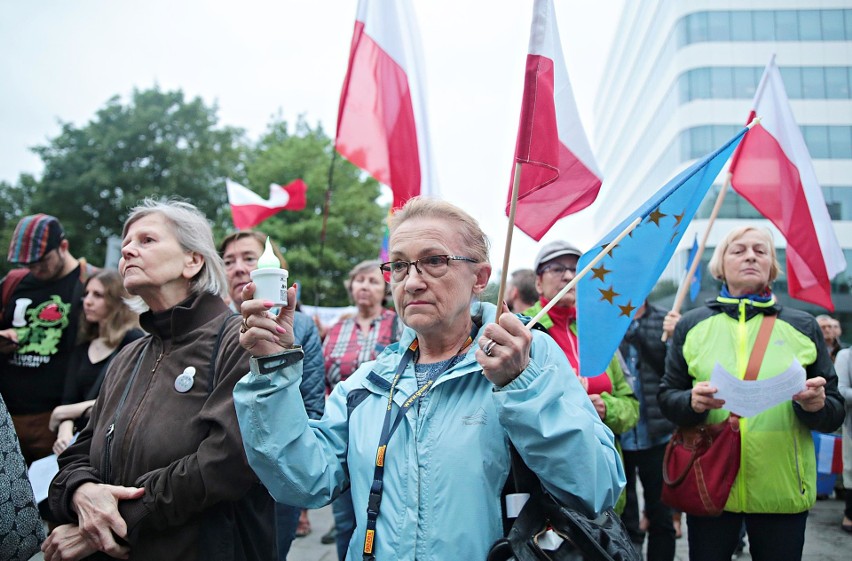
[{"x": 447, "y": 463}]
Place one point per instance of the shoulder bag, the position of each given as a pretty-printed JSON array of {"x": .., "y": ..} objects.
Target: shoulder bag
[
  {"x": 701, "y": 463},
  {"x": 546, "y": 529}
]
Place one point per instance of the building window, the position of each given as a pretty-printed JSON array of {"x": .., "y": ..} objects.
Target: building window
[
  {"x": 837, "y": 82},
  {"x": 823, "y": 142},
  {"x": 832, "y": 25},
  {"x": 840, "y": 142},
  {"x": 838, "y": 200},
  {"x": 805, "y": 82},
  {"x": 810, "y": 28},
  {"x": 764, "y": 25},
  {"x": 813, "y": 83}
]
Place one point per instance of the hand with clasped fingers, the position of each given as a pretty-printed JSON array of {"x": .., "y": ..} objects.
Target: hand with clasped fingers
[
  {"x": 509, "y": 344},
  {"x": 66, "y": 543},
  {"x": 264, "y": 333},
  {"x": 96, "y": 505},
  {"x": 702, "y": 398}
]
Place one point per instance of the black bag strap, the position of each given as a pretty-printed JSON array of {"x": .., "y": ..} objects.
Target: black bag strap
[{"x": 211, "y": 380}]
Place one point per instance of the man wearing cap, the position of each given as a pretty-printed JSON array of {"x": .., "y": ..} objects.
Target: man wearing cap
[
  {"x": 40, "y": 307},
  {"x": 555, "y": 266}
]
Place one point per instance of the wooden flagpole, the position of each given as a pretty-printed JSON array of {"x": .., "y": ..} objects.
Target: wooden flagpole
[
  {"x": 584, "y": 271},
  {"x": 501, "y": 294},
  {"x": 684, "y": 286},
  {"x": 681, "y": 293}
]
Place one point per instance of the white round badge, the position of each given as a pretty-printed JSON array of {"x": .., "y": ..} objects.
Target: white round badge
[{"x": 183, "y": 383}]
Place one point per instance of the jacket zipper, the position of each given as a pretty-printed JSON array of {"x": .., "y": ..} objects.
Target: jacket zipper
[
  {"x": 110, "y": 433},
  {"x": 107, "y": 451}
]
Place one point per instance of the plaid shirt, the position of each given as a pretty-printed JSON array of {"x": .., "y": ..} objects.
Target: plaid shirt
[{"x": 346, "y": 347}]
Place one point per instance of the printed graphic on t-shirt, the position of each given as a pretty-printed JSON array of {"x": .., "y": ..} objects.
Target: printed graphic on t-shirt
[{"x": 43, "y": 332}]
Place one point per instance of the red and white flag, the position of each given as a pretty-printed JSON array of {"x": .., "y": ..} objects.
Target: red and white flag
[
  {"x": 381, "y": 122},
  {"x": 559, "y": 175},
  {"x": 772, "y": 169},
  {"x": 250, "y": 209}
]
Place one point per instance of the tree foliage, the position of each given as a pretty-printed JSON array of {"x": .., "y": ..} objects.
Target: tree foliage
[
  {"x": 158, "y": 145},
  {"x": 161, "y": 145}
]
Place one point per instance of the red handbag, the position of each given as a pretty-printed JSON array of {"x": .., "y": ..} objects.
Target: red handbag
[
  {"x": 701, "y": 463},
  {"x": 700, "y": 466}
]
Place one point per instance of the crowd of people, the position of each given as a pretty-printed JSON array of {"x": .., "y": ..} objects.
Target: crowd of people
[{"x": 193, "y": 420}]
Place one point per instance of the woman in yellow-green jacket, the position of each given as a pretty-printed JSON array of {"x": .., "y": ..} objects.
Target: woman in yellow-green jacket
[{"x": 776, "y": 484}]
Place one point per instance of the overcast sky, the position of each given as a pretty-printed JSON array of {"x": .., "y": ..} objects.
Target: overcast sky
[{"x": 62, "y": 60}]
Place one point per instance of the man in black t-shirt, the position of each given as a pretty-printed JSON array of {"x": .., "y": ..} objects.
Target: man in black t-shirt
[{"x": 40, "y": 311}]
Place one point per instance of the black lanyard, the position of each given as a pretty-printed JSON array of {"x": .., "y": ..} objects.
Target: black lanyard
[{"x": 388, "y": 429}]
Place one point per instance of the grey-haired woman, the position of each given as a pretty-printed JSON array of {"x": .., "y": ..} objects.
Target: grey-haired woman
[{"x": 160, "y": 471}]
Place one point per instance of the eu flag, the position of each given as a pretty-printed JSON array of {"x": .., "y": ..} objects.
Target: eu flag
[{"x": 608, "y": 297}]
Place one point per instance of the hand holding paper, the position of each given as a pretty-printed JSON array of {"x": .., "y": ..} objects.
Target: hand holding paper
[
  {"x": 747, "y": 399},
  {"x": 812, "y": 398}
]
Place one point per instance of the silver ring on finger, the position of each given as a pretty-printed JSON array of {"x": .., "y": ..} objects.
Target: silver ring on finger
[
  {"x": 245, "y": 326},
  {"x": 489, "y": 347}
]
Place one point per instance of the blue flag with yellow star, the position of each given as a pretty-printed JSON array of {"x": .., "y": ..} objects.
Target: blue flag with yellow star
[{"x": 608, "y": 296}]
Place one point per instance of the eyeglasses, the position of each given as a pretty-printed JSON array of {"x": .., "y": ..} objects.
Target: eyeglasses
[
  {"x": 557, "y": 269},
  {"x": 434, "y": 265}
]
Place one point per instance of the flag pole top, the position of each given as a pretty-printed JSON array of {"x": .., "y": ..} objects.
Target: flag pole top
[{"x": 753, "y": 122}]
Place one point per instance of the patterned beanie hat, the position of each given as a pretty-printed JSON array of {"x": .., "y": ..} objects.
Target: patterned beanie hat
[{"x": 34, "y": 237}]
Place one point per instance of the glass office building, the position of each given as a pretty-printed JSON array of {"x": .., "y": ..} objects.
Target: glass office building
[{"x": 680, "y": 80}]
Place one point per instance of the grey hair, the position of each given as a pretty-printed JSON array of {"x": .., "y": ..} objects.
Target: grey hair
[
  {"x": 193, "y": 233},
  {"x": 370, "y": 265}
]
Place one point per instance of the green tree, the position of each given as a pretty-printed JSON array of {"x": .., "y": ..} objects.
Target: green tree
[
  {"x": 355, "y": 228},
  {"x": 16, "y": 203},
  {"x": 159, "y": 145}
]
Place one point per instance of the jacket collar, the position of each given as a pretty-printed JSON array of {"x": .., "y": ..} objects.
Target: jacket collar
[
  {"x": 733, "y": 306},
  {"x": 188, "y": 318},
  {"x": 384, "y": 369}
]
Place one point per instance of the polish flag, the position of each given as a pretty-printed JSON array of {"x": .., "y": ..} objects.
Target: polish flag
[
  {"x": 559, "y": 175},
  {"x": 772, "y": 169},
  {"x": 381, "y": 122},
  {"x": 249, "y": 209}
]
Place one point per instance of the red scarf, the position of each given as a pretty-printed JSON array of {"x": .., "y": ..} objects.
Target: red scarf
[{"x": 561, "y": 332}]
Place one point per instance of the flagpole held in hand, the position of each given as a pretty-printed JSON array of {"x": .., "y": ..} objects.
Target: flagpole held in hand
[
  {"x": 509, "y": 230},
  {"x": 684, "y": 286},
  {"x": 584, "y": 271}
]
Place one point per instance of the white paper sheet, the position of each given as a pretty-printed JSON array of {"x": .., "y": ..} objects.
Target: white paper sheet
[
  {"x": 41, "y": 474},
  {"x": 747, "y": 399}
]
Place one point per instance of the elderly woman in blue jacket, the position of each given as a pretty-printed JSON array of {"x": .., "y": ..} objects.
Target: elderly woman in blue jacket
[{"x": 422, "y": 434}]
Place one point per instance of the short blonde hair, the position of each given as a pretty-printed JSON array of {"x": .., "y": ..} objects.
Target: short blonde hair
[
  {"x": 475, "y": 241},
  {"x": 717, "y": 262}
]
